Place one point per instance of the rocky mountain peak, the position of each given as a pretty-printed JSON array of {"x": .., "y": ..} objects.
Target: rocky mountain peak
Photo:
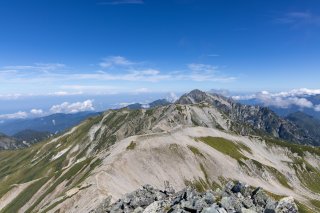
[
  {"x": 198, "y": 96},
  {"x": 246, "y": 119}
]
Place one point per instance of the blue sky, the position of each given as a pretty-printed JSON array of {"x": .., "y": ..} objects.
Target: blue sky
[{"x": 77, "y": 50}]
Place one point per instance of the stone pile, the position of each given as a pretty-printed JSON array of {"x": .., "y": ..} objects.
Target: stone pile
[{"x": 234, "y": 197}]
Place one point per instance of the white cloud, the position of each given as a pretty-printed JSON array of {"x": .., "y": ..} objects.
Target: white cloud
[
  {"x": 17, "y": 115},
  {"x": 22, "y": 114},
  {"x": 92, "y": 89},
  {"x": 148, "y": 72},
  {"x": 58, "y": 81},
  {"x": 243, "y": 97},
  {"x": 202, "y": 68},
  {"x": 296, "y": 97},
  {"x": 317, "y": 108},
  {"x": 142, "y": 90},
  {"x": 67, "y": 107},
  {"x": 60, "y": 108},
  {"x": 126, "y": 70},
  {"x": 301, "y": 102},
  {"x": 223, "y": 92},
  {"x": 172, "y": 97},
  {"x": 124, "y": 104},
  {"x": 18, "y": 95},
  {"x": 115, "y": 61},
  {"x": 40, "y": 67},
  {"x": 302, "y": 92},
  {"x": 299, "y": 19},
  {"x": 203, "y": 72},
  {"x": 36, "y": 111},
  {"x": 65, "y": 93},
  {"x": 10, "y": 96},
  {"x": 149, "y": 75}
]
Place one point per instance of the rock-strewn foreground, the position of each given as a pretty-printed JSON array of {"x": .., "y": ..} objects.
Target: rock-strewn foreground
[{"x": 234, "y": 197}]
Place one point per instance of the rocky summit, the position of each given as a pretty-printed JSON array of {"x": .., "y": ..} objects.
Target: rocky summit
[{"x": 233, "y": 197}]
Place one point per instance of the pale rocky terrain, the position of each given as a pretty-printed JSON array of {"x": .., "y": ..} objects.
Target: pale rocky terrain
[
  {"x": 186, "y": 144},
  {"x": 161, "y": 157}
]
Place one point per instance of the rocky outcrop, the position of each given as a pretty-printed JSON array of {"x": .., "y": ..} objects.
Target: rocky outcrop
[
  {"x": 234, "y": 197},
  {"x": 7, "y": 142},
  {"x": 247, "y": 119}
]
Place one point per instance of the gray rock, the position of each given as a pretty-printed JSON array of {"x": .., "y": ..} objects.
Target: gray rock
[
  {"x": 259, "y": 197},
  {"x": 154, "y": 207},
  {"x": 244, "y": 210},
  {"x": 286, "y": 205},
  {"x": 168, "y": 188},
  {"x": 229, "y": 186},
  {"x": 237, "y": 187},
  {"x": 235, "y": 199},
  {"x": 212, "y": 209},
  {"x": 271, "y": 206},
  {"x": 247, "y": 203},
  {"x": 227, "y": 203},
  {"x": 246, "y": 191},
  {"x": 138, "y": 210},
  {"x": 209, "y": 198},
  {"x": 222, "y": 210}
]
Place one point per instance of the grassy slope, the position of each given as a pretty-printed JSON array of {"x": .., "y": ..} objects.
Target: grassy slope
[
  {"x": 307, "y": 174},
  {"x": 21, "y": 166},
  {"x": 225, "y": 146}
]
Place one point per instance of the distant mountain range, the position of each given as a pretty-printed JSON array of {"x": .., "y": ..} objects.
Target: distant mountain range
[
  {"x": 54, "y": 123},
  {"x": 307, "y": 122},
  {"x": 285, "y": 111},
  {"x": 32, "y": 136},
  {"x": 7, "y": 142},
  {"x": 160, "y": 102},
  {"x": 22, "y": 139},
  {"x": 244, "y": 119},
  {"x": 22, "y": 133}
]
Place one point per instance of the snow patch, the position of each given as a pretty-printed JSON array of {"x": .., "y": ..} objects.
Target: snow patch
[
  {"x": 59, "y": 154},
  {"x": 93, "y": 130}
]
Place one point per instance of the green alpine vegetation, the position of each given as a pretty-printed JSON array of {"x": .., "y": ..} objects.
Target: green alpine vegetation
[{"x": 225, "y": 146}]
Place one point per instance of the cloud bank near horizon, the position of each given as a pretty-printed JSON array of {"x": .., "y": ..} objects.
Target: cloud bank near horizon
[
  {"x": 295, "y": 97},
  {"x": 64, "y": 107},
  {"x": 112, "y": 75}
]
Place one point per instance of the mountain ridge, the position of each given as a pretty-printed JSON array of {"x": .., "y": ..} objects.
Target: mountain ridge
[
  {"x": 258, "y": 118},
  {"x": 118, "y": 151},
  {"x": 52, "y": 123}
]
